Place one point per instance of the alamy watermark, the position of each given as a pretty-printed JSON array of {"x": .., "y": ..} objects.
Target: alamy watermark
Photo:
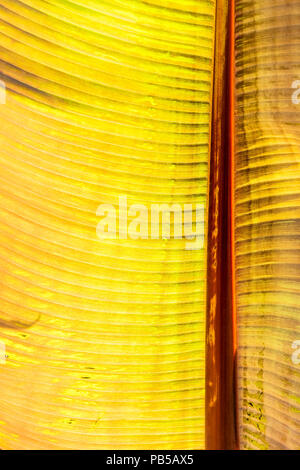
[
  {"x": 157, "y": 221},
  {"x": 3, "y": 355},
  {"x": 296, "y": 353},
  {"x": 296, "y": 93},
  {"x": 2, "y": 92}
]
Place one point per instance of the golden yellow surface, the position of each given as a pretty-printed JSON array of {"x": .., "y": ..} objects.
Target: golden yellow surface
[
  {"x": 268, "y": 223},
  {"x": 105, "y": 339}
]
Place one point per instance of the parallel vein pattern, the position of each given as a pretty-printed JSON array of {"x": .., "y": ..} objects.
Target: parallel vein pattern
[
  {"x": 268, "y": 223},
  {"x": 105, "y": 339}
]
